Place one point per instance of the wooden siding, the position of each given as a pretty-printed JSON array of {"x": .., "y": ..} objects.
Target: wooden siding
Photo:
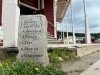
[
  {"x": 33, "y": 3},
  {"x": 0, "y": 12},
  {"x": 49, "y": 13}
]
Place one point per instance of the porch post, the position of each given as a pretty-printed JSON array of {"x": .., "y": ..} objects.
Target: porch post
[
  {"x": 55, "y": 25},
  {"x": 10, "y": 18},
  {"x": 67, "y": 33},
  {"x": 73, "y": 26},
  {"x": 87, "y": 33}
]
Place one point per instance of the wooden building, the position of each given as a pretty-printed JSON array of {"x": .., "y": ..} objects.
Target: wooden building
[{"x": 10, "y": 10}]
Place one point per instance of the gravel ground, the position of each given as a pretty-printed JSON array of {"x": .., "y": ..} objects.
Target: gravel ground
[{"x": 78, "y": 66}]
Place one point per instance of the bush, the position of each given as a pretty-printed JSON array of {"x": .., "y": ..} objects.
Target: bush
[{"x": 29, "y": 68}]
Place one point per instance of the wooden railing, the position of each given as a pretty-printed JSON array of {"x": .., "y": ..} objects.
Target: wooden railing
[{"x": 51, "y": 28}]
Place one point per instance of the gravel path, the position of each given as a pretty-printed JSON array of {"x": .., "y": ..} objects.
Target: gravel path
[{"x": 75, "y": 68}]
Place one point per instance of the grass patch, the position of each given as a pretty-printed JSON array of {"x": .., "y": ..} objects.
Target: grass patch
[
  {"x": 7, "y": 55},
  {"x": 9, "y": 67},
  {"x": 64, "y": 53},
  {"x": 29, "y": 68}
]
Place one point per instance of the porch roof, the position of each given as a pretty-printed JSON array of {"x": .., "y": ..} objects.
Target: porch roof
[{"x": 62, "y": 6}]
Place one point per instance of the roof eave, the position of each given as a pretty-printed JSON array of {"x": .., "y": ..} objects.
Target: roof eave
[{"x": 62, "y": 6}]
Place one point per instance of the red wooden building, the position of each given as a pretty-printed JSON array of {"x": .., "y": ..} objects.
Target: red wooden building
[
  {"x": 45, "y": 7},
  {"x": 53, "y": 10},
  {"x": 0, "y": 11}
]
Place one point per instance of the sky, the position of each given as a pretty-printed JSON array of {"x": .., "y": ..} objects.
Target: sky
[{"x": 93, "y": 15}]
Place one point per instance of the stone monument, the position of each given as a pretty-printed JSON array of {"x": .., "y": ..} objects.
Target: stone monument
[{"x": 32, "y": 39}]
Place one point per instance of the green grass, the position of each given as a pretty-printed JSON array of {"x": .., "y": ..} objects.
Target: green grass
[
  {"x": 64, "y": 53},
  {"x": 29, "y": 68},
  {"x": 8, "y": 66}
]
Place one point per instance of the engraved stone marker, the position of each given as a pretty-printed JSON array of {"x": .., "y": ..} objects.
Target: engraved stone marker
[{"x": 32, "y": 40}]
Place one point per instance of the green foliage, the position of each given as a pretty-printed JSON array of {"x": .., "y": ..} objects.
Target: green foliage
[
  {"x": 70, "y": 34},
  {"x": 96, "y": 35},
  {"x": 29, "y": 68},
  {"x": 2, "y": 54},
  {"x": 63, "y": 53},
  {"x": 54, "y": 58}
]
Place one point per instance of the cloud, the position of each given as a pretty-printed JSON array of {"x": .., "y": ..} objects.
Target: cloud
[{"x": 93, "y": 14}]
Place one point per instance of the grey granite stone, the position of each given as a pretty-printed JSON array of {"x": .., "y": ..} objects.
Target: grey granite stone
[{"x": 32, "y": 40}]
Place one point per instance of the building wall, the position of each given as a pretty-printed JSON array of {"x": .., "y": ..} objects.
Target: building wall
[
  {"x": 49, "y": 13},
  {"x": 31, "y": 2},
  {"x": 0, "y": 12},
  {"x": 10, "y": 18},
  {"x": 47, "y": 9}
]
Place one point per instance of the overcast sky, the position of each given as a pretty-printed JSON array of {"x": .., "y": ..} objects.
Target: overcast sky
[{"x": 93, "y": 14}]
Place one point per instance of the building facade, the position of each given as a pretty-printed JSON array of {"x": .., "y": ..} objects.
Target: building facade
[
  {"x": 11, "y": 10},
  {"x": 0, "y": 12},
  {"x": 45, "y": 7}
]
